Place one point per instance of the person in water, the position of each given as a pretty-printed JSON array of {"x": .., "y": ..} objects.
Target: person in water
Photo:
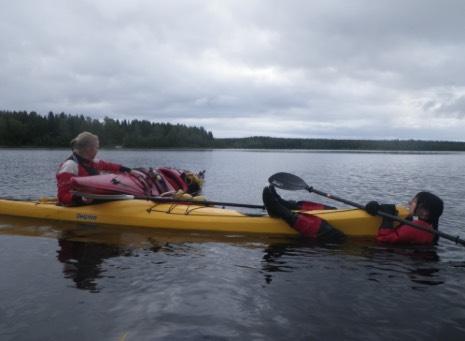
[
  {"x": 307, "y": 225},
  {"x": 425, "y": 209},
  {"x": 82, "y": 162}
]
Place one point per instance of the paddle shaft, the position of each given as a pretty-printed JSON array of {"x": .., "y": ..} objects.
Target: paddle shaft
[
  {"x": 386, "y": 215},
  {"x": 198, "y": 202},
  {"x": 164, "y": 200}
]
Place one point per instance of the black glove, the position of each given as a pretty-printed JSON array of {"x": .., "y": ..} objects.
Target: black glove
[
  {"x": 389, "y": 209},
  {"x": 80, "y": 200},
  {"x": 372, "y": 207},
  {"x": 124, "y": 169}
]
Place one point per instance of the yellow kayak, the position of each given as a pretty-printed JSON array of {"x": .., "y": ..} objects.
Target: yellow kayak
[{"x": 147, "y": 214}]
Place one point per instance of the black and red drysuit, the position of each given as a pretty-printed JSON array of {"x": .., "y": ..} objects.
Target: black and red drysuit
[{"x": 307, "y": 225}]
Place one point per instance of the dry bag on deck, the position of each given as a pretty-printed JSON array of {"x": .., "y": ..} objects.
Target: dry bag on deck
[{"x": 147, "y": 182}]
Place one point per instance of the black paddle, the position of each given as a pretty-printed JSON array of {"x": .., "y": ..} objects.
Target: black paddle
[
  {"x": 165, "y": 200},
  {"x": 292, "y": 182}
]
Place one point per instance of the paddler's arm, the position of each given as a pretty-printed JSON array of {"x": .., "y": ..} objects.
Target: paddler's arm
[
  {"x": 110, "y": 167},
  {"x": 65, "y": 173},
  {"x": 65, "y": 195}
]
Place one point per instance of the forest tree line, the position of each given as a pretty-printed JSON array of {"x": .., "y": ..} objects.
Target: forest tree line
[
  {"x": 29, "y": 129},
  {"x": 261, "y": 142},
  {"x": 23, "y": 129}
]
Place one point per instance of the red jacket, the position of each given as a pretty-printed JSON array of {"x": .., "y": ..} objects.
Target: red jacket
[
  {"x": 406, "y": 234},
  {"x": 77, "y": 166}
]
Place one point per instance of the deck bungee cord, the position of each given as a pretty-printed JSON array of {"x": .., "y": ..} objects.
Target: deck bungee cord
[{"x": 167, "y": 200}]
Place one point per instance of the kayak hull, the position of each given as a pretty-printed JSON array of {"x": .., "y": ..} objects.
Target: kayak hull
[{"x": 142, "y": 213}]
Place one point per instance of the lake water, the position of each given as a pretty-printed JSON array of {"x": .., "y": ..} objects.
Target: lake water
[{"x": 62, "y": 281}]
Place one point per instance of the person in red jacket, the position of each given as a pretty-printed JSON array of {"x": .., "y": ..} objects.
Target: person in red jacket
[
  {"x": 425, "y": 210},
  {"x": 82, "y": 162},
  {"x": 307, "y": 225}
]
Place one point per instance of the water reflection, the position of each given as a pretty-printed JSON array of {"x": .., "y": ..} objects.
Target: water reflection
[
  {"x": 275, "y": 256},
  {"x": 421, "y": 265},
  {"x": 271, "y": 261},
  {"x": 82, "y": 261},
  {"x": 83, "y": 250}
]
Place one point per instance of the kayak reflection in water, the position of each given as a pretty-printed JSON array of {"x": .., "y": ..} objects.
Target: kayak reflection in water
[
  {"x": 82, "y": 162},
  {"x": 308, "y": 226},
  {"x": 425, "y": 209}
]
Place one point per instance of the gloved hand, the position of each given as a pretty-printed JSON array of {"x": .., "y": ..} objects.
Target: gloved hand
[
  {"x": 389, "y": 209},
  {"x": 87, "y": 201},
  {"x": 81, "y": 200},
  {"x": 372, "y": 207},
  {"x": 124, "y": 169}
]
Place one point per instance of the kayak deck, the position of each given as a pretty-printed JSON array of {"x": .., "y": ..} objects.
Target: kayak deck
[{"x": 142, "y": 213}]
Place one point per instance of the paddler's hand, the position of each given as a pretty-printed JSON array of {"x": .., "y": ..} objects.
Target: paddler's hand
[
  {"x": 87, "y": 200},
  {"x": 81, "y": 200},
  {"x": 389, "y": 209},
  {"x": 372, "y": 207},
  {"x": 130, "y": 171},
  {"x": 123, "y": 169}
]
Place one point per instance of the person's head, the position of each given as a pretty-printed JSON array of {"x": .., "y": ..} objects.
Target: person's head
[
  {"x": 427, "y": 206},
  {"x": 85, "y": 145}
]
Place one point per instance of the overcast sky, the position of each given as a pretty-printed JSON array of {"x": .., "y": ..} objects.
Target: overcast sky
[{"x": 336, "y": 69}]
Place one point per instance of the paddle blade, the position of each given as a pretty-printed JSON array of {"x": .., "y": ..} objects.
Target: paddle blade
[
  {"x": 287, "y": 181},
  {"x": 104, "y": 196}
]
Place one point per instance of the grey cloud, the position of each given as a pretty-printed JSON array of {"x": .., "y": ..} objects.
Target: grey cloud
[
  {"x": 319, "y": 64},
  {"x": 452, "y": 108}
]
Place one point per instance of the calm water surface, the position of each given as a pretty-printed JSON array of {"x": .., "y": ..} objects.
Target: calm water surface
[{"x": 72, "y": 282}]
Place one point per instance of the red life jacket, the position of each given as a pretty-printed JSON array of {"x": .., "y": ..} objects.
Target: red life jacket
[
  {"x": 77, "y": 166},
  {"x": 406, "y": 234}
]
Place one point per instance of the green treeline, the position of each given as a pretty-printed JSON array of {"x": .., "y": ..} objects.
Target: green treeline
[
  {"x": 23, "y": 129},
  {"x": 332, "y": 144},
  {"x": 19, "y": 129}
]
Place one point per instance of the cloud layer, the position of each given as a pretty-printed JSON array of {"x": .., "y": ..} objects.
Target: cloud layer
[{"x": 338, "y": 69}]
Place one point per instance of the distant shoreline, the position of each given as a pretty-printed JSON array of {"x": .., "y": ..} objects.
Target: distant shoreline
[
  {"x": 55, "y": 131},
  {"x": 280, "y": 150}
]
